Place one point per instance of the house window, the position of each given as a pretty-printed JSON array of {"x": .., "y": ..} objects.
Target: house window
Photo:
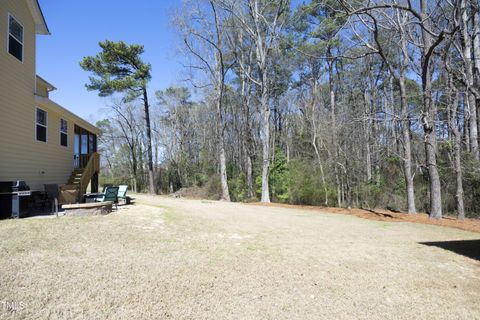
[
  {"x": 15, "y": 38},
  {"x": 41, "y": 125},
  {"x": 63, "y": 132},
  {"x": 91, "y": 143}
]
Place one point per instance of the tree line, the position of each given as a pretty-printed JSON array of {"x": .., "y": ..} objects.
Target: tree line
[{"x": 328, "y": 102}]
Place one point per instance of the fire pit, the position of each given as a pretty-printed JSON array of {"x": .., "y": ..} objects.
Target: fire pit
[{"x": 88, "y": 209}]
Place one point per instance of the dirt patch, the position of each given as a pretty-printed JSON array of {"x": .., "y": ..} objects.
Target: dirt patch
[
  {"x": 472, "y": 225},
  {"x": 210, "y": 190},
  {"x": 191, "y": 193},
  {"x": 195, "y": 192}
]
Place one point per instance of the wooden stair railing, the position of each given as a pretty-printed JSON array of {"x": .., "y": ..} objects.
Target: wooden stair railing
[{"x": 92, "y": 167}]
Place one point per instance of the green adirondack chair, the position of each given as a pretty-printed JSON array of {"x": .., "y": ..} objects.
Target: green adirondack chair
[
  {"x": 122, "y": 193},
  {"x": 110, "y": 194}
]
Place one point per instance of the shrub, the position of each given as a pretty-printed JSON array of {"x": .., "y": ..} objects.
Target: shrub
[
  {"x": 279, "y": 178},
  {"x": 238, "y": 187}
]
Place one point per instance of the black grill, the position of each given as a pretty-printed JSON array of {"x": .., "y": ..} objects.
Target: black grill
[
  {"x": 13, "y": 186},
  {"x": 14, "y": 197}
]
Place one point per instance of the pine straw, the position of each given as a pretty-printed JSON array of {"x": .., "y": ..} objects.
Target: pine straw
[{"x": 472, "y": 225}]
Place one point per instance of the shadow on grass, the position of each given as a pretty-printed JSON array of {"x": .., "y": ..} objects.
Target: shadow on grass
[{"x": 467, "y": 248}]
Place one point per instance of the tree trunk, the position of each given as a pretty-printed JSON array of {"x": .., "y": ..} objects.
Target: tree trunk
[
  {"x": 322, "y": 174},
  {"x": 134, "y": 168},
  {"x": 428, "y": 119},
  {"x": 366, "y": 129},
  {"x": 476, "y": 41},
  {"x": 250, "y": 193},
  {"x": 469, "y": 69},
  {"x": 466, "y": 124},
  {"x": 223, "y": 173},
  {"x": 334, "y": 133},
  {"x": 151, "y": 177},
  {"x": 221, "y": 144},
  {"x": 476, "y": 48},
  {"x": 407, "y": 150},
  {"x": 472, "y": 107},
  {"x": 457, "y": 140},
  {"x": 372, "y": 127},
  {"x": 314, "y": 140},
  {"x": 245, "y": 91},
  {"x": 265, "y": 132},
  {"x": 431, "y": 154}
]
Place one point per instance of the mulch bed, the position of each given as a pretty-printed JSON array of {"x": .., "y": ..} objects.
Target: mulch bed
[{"x": 472, "y": 225}]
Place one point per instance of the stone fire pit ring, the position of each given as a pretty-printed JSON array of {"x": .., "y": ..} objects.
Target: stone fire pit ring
[{"x": 88, "y": 209}]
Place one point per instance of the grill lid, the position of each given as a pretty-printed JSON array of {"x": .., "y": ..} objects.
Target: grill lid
[{"x": 13, "y": 186}]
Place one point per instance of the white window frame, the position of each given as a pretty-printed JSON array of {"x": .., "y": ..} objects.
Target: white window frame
[
  {"x": 64, "y": 132},
  {"x": 39, "y": 124},
  {"x": 8, "y": 37}
]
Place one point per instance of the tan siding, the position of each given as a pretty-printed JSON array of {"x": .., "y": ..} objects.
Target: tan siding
[
  {"x": 21, "y": 156},
  {"x": 35, "y": 161},
  {"x": 41, "y": 89}
]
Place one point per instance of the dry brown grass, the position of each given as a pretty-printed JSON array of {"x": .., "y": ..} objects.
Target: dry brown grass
[{"x": 190, "y": 259}]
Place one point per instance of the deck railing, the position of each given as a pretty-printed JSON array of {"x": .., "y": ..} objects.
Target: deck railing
[
  {"x": 81, "y": 161},
  {"x": 92, "y": 166}
]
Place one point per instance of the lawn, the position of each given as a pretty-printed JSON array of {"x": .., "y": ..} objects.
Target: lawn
[{"x": 191, "y": 259}]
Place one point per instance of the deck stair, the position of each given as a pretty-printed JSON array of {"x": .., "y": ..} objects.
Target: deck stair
[
  {"x": 75, "y": 177},
  {"x": 81, "y": 177}
]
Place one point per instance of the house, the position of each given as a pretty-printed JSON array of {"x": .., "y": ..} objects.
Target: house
[{"x": 41, "y": 142}]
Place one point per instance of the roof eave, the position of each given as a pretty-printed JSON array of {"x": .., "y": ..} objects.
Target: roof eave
[
  {"x": 50, "y": 86},
  {"x": 41, "y": 26}
]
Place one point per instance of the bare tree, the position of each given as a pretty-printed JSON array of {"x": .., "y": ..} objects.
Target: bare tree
[
  {"x": 397, "y": 21},
  {"x": 204, "y": 39},
  {"x": 263, "y": 22}
]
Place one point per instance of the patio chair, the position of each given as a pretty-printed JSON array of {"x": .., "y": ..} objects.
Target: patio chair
[
  {"x": 110, "y": 194},
  {"x": 122, "y": 193},
  {"x": 105, "y": 186},
  {"x": 40, "y": 201},
  {"x": 92, "y": 196},
  {"x": 53, "y": 193}
]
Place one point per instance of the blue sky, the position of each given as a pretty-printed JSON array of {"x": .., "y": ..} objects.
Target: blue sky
[{"x": 78, "y": 26}]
